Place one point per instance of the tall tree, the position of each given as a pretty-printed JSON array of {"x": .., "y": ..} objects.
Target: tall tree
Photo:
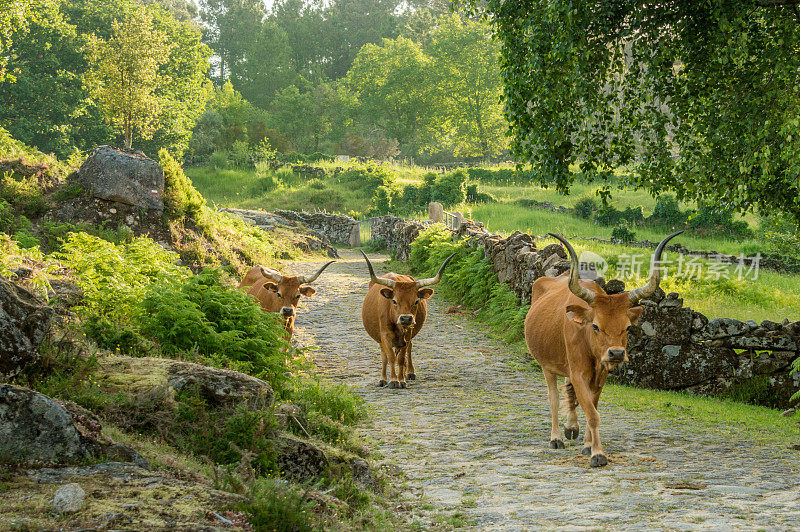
[
  {"x": 229, "y": 26},
  {"x": 46, "y": 105},
  {"x": 265, "y": 66},
  {"x": 467, "y": 70},
  {"x": 702, "y": 96},
  {"x": 393, "y": 84},
  {"x": 124, "y": 73}
]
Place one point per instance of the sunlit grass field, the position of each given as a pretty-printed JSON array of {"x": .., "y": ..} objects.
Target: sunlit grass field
[{"x": 771, "y": 296}]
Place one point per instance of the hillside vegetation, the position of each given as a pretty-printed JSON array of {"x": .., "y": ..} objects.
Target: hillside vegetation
[{"x": 129, "y": 303}]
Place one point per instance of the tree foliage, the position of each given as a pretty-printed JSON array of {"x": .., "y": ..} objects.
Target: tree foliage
[
  {"x": 124, "y": 73},
  {"x": 701, "y": 96}
]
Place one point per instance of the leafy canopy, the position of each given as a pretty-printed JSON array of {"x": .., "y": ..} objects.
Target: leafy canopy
[
  {"x": 701, "y": 96},
  {"x": 124, "y": 73}
]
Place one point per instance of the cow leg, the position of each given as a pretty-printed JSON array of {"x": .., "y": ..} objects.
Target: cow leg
[
  {"x": 401, "y": 366},
  {"x": 388, "y": 352},
  {"x": 588, "y": 400},
  {"x": 411, "y": 373},
  {"x": 556, "y": 442},
  {"x": 384, "y": 361},
  {"x": 571, "y": 427}
]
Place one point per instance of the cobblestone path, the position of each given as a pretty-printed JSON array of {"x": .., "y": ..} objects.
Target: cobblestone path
[{"x": 471, "y": 436}]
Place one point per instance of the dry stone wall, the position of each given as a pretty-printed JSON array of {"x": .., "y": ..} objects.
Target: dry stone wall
[{"x": 672, "y": 348}]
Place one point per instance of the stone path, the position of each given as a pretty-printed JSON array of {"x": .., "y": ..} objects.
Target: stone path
[{"x": 471, "y": 436}]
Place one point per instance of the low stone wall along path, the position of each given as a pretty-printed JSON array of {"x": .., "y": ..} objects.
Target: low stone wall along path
[{"x": 471, "y": 436}]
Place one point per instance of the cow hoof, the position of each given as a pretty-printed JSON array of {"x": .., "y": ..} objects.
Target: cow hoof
[
  {"x": 598, "y": 460},
  {"x": 402, "y": 385},
  {"x": 411, "y": 377},
  {"x": 394, "y": 384},
  {"x": 381, "y": 383},
  {"x": 556, "y": 444},
  {"x": 571, "y": 434},
  {"x": 587, "y": 451}
]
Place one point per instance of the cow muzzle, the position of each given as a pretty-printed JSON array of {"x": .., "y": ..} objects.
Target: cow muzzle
[
  {"x": 287, "y": 312},
  {"x": 405, "y": 320},
  {"x": 617, "y": 355}
]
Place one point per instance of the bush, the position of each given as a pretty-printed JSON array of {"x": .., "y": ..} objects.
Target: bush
[
  {"x": 381, "y": 201},
  {"x": 317, "y": 184},
  {"x": 450, "y": 189},
  {"x": 219, "y": 324},
  {"x": 218, "y": 160},
  {"x": 781, "y": 235},
  {"x": 474, "y": 196},
  {"x": 239, "y": 155},
  {"x": 668, "y": 211},
  {"x": 713, "y": 220},
  {"x": 469, "y": 279},
  {"x": 622, "y": 233},
  {"x": 181, "y": 199},
  {"x": 265, "y": 184},
  {"x": 585, "y": 208},
  {"x": 611, "y": 216},
  {"x": 286, "y": 176},
  {"x": 499, "y": 176}
]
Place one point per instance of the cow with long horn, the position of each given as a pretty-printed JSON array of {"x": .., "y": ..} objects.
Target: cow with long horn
[
  {"x": 279, "y": 293},
  {"x": 393, "y": 312},
  {"x": 575, "y": 330}
]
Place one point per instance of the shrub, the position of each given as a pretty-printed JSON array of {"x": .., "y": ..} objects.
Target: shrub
[
  {"x": 450, "y": 189},
  {"x": 608, "y": 216},
  {"x": 712, "y": 220},
  {"x": 623, "y": 233},
  {"x": 500, "y": 176},
  {"x": 781, "y": 235},
  {"x": 218, "y": 323},
  {"x": 333, "y": 400},
  {"x": 115, "y": 279},
  {"x": 317, "y": 184},
  {"x": 381, "y": 201},
  {"x": 668, "y": 211},
  {"x": 286, "y": 176},
  {"x": 265, "y": 184},
  {"x": 218, "y": 160},
  {"x": 474, "y": 196},
  {"x": 273, "y": 505},
  {"x": 239, "y": 155},
  {"x": 262, "y": 153},
  {"x": 368, "y": 178},
  {"x": 585, "y": 208},
  {"x": 181, "y": 199}
]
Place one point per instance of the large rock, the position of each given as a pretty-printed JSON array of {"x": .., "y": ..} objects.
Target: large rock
[
  {"x": 300, "y": 459},
  {"x": 162, "y": 378},
  {"x": 125, "y": 176},
  {"x": 677, "y": 367},
  {"x": 24, "y": 323},
  {"x": 35, "y": 428}
]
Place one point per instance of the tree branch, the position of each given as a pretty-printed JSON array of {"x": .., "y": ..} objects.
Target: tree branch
[{"x": 776, "y": 3}]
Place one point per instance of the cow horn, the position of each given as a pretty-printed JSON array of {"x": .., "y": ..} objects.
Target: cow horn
[
  {"x": 435, "y": 280},
  {"x": 655, "y": 273},
  {"x": 375, "y": 279},
  {"x": 275, "y": 276},
  {"x": 574, "y": 273},
  {"x": 309, "y": 280}
]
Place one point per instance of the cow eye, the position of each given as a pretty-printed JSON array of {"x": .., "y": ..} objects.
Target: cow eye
[
  {"x": 297, "y": 296},
  {"x": 595, "y": 327},
  {"x": 279, "y": 294},
  {"x": 394, "y": 302}
]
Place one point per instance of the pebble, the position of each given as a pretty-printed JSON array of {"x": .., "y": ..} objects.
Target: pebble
[{"x": 68, "y": 499}]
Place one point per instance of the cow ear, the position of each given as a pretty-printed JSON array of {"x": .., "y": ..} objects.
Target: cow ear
[
  {"x": 388, "y": 293},
  {"x": 579, "y": 314},
  {"x": 307, "y": 291},
  {"x": 634, "y": 313},
  {"x": 272, "y": 287},
  {"x": 425, "y": 293}
]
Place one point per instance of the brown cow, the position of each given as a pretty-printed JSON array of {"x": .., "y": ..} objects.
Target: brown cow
[
  {"x": 393, "y": 312},
  {"x": 575, "y": 330},
  {"x": 279, "y": 293}
]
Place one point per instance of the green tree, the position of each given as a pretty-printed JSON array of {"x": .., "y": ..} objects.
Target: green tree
[
  {"x": 124, "y": 73},
  {"x": 229, "y": 27},
  {"x": 393, "y": 82},
  {"x": 266, "y": 65},
  {"x": 45, "y": 104},
  {"x": 306, "y": 118},
  {"x": 467, "y": 71},
  {"x": 701, "y": 96},
  {"x": 15, "y": 17}
]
